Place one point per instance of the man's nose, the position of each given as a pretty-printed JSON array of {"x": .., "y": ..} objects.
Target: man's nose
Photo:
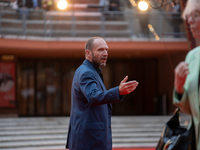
[{"x": 105, "y": 53}]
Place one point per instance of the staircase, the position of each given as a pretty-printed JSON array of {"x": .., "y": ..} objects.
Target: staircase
[{"x": 51, "y": 132}]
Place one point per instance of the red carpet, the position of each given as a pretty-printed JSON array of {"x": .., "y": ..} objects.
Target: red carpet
[{"x": 134, "y": 149}]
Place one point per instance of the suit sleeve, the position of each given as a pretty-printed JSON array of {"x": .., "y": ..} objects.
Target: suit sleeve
[
  {"x": 94, "y": 94},
  {"x": 182, "y": 102}
]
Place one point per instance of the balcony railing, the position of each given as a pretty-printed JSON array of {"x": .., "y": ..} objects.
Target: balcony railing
[{"x": 129, "y": 23}]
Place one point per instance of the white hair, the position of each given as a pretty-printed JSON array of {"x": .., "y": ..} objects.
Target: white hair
[{"x": 191, "y": 6}]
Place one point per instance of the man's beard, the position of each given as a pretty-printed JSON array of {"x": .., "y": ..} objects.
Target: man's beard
[{"x": 98, "y": 62}]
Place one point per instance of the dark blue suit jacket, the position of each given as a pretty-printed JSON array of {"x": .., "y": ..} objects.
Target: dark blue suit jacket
[{"x": 90, "y": 118}]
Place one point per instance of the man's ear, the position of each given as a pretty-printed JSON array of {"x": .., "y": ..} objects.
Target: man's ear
[{"x": 88, "y": 53}]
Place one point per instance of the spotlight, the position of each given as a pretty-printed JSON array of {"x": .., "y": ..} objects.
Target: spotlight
[
  {"x": 154, "y": 32},
  {"x": 62, "y": 4},
  {"x": 143, "y": 5}
]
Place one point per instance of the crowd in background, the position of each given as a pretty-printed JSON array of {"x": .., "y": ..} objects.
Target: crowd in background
[
  {"x": 33, "y": 4},
  {"x": 110, "y": 5},
  {"x": 48, "y": 5},
  {"x": 114, "y": 5}
]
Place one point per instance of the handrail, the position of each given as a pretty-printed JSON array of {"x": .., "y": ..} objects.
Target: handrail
[{"x": 105, "y": 23}]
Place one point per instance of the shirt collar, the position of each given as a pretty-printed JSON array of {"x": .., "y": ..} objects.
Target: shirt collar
[{"x": 93, "y": 65}]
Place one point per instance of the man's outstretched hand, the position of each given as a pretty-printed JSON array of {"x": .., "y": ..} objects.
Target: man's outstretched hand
[{"x": 127, "y": 87}]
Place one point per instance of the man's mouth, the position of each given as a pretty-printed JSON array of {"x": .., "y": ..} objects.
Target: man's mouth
[{"x": 104, "y": 59}]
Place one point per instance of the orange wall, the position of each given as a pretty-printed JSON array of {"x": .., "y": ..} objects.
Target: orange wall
[{"x": 75, "y": 49}]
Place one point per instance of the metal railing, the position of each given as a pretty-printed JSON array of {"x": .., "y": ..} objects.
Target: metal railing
[{"x": 129, "y": 23}]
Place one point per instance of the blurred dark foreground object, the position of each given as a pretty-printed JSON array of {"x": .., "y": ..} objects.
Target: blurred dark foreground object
[{"x": 175, "y": 137}]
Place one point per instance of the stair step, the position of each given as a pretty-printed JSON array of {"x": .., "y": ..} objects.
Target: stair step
[{"x": 51, "y": 132}]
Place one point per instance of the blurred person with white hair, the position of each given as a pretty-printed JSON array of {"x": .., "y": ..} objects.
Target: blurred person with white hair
[{"x": 186, "y": 94}]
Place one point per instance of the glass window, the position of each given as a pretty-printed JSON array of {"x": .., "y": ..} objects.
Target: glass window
[
  {"x": 48, "y": 98},
  {"x": 26, "y": 90},
  {"x": 69, "y": 68}
]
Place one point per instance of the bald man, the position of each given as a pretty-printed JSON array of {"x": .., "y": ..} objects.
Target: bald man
[{"x": 90, "y": 117}]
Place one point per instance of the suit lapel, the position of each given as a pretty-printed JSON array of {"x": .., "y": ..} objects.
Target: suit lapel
[
  {"x": 193, "y": 75},
  {"x": 196, "y": 103},
  {"x": 89, "y": 64},
  {"x": 100, "y": 81},
  {"x": 198, "y": 74},
  {"x": 193, "y": 89}
]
